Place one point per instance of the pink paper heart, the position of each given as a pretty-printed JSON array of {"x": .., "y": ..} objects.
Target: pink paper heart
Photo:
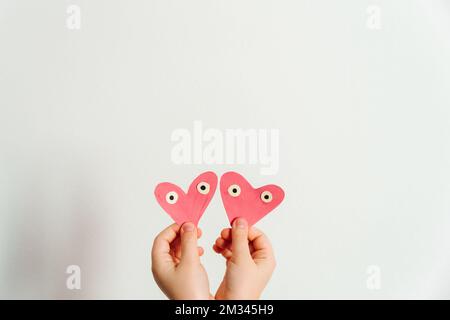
[
  {"x": 240, "y": 199},
  {"x": 187, "y": 207}
]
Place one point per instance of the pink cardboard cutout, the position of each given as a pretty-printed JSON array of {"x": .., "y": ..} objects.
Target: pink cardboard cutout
[
  {"x": 188, "y": 207},
  {"x": 240, "y": 199}
]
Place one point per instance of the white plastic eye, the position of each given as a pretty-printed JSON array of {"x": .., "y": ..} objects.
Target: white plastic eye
[
  {"x": 266, "y": 196},
  {"x": 234, "y": 190},
  {"x": 172, "y": 197},
  {"x": 203, "y": 188}
]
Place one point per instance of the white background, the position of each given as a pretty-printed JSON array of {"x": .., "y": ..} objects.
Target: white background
[{"x": 364, "y": 117}]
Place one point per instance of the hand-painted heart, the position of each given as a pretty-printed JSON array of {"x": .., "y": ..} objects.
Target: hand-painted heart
[
  {"x": 240, "y": 199},
  {"x": 188, "y": 207}
]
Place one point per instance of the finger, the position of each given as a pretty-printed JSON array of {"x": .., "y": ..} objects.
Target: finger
[
  {"x": 258, "y": 239},
  {"x": 217, "y": 249},
  {"x": 226, "y": 253},
  {"x": 163, "y": 240},
  {"x": 239, "y": 236},
  {"x": 262, "y": 248},
  {"x": 177, "y": 245},
  {"x": 226, "y": 234},
  {"x": 189, "y": 252},
  {"x": 177, "y": 250},
  {"x": 253, "y": 233},
  {"x": 161, "y": 244},
  {"x": 200, "y": 251},
  {"x": 221, "y": 243}
]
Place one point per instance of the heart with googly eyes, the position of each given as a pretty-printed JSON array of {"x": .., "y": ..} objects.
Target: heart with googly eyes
[
  {"x": 187, "y": 207},
  {"x": 240, "y": 199}
]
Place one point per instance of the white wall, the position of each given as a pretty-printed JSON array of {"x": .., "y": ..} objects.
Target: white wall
[{"x": 86, "y": 118}]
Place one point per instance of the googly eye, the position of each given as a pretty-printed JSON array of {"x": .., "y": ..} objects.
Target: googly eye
[
  {"x": 234, "y": 190},
  {"x": 266, "y": 196},
  {"x": 203, "y": 188},
  {"x": 172, "y": 197}
]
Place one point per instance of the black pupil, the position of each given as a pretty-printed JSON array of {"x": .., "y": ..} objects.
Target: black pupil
[
  {"x": 234, "y": 190},
  {"x": 171, "y": 197},
  {"x": 266, "y": 197},
  {"x": 202, "y": 187}
]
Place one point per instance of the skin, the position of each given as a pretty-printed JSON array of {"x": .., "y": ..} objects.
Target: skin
[
  {"x": 176, "y": 263},
  {"x": 249, "y": 259},
  {"x": 179, "y": 273}
]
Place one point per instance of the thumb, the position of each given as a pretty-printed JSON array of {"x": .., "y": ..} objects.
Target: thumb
[
  {"x": 189, "y": 251},
  {"x": 239, "y": 240}
]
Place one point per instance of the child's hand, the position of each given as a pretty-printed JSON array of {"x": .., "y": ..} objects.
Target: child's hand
[
  {"x": 250, "y": 261},
  {"x": 176, "y": 263}
]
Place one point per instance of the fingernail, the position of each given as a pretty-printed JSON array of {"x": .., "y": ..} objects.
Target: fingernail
[
  {"x": 241, "y": 223},
  {"x": 188, "y": 227}
]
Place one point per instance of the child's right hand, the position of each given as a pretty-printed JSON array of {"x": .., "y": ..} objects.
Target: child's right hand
[{"x": 250, "y": 261}]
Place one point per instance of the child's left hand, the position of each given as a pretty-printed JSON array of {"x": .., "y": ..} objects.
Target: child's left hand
[{"x": 176, "y": 263}]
